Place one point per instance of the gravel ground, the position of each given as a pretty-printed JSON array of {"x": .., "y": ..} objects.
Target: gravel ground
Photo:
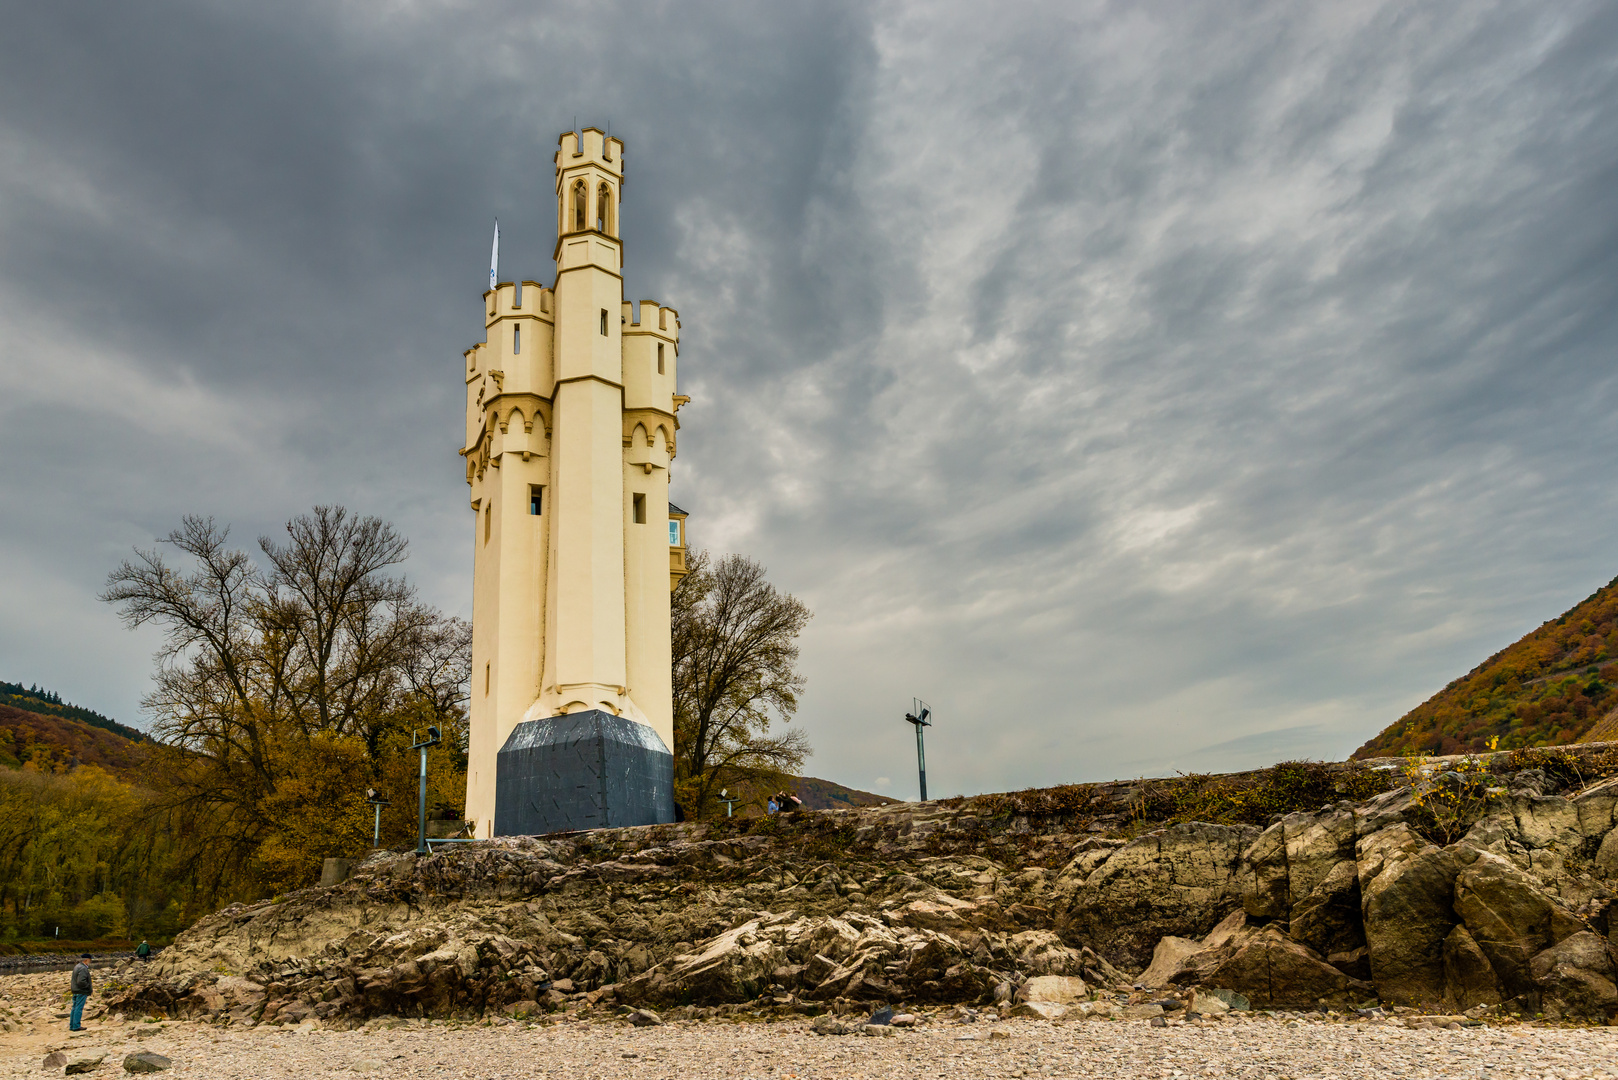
[{"x": 1258, "y": 1047}]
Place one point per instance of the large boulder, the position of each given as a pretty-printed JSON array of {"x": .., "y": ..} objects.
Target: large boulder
[
  {"x": 1469, "y": 979},
  {"x": 1510, "y": 917},
  {"x": 1272, "y": 971},
  {"x": 1328, "y": 919},
  {"x": 1576, "y": 977},
  {"x": 1170, "y": 954},
  {"x": 1180, "y": 880},
  {"x": 1406, "y": 889}
]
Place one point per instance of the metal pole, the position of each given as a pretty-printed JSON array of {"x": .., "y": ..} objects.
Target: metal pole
[
  {"x": 421, "y": 817},
  {"x": 376, "y": 830},
  {"x": 921, "y": 762}
]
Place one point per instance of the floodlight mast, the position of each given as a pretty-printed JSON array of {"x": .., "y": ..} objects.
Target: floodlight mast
[
  {"x": 921, "y": 717},
  {"x": 432, "y": 739}
]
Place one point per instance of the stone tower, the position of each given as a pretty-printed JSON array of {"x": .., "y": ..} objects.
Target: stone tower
[{"x": 570, "y": 429}]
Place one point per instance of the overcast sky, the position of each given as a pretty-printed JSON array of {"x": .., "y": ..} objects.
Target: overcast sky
[{"x": 1146, "y": 386}]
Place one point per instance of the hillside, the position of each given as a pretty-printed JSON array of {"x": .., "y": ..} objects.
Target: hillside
[
  {"x": 35, "y": 700},
  {"x": 56, "y": 742},
  {"x": 820, "y": 794},
  {"x": 1553, "y": 686}
]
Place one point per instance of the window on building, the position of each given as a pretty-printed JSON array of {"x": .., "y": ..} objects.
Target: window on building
[
  {"x": 536, "y": 499},
  {"x": 674, "y": 532},
  {"x": 488, "y": 521},
  {"x": 581, "y": 195},
  {"x": 516, "y": 339},
  {"x": 486, "y": 680},
  {"x": 660, "y": 358},
  {"x": 640, "y": 509},
  {"x": 603, "y": 322},
  {"x": 604, "y": 209}
]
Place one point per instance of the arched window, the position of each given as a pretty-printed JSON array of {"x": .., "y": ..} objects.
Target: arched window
[
  {"x": 581, "y": 198},
  {"x": 604, "y": 209}
]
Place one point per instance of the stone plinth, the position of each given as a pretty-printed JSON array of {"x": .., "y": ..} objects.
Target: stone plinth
[{"x": 585, "y": 770}]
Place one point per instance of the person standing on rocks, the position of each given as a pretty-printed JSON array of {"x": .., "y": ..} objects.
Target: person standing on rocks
[{"x": 81, "y": 992}]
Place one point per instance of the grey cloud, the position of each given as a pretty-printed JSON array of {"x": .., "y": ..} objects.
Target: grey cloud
[{"x": 1147, "y": 387}]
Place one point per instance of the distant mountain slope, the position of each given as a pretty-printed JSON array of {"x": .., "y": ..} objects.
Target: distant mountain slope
[
  {"x": 1551, "y": 687},
  {"x": 820, "y": 794},
  {"x": 36, "y": 700},
  {"x": 54, "y": 742}
]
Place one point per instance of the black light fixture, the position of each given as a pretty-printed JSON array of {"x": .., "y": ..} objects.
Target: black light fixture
[
  {"x": 433, "y": 739},
  {"x": 921, "y": 717},
  {"x": 374, "y": 797}
]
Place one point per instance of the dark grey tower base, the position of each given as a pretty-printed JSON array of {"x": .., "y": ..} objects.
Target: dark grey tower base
[{"x": 585, "y": 770}]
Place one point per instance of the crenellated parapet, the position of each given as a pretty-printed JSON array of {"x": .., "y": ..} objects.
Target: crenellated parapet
[{"x": 571, "y": 423}]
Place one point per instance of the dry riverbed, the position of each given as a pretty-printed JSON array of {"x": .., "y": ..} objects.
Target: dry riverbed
[{"x": 1283, "y": 1047}]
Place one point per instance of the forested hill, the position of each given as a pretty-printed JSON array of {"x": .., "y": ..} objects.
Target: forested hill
[
  {"x": 1551, "y": 687},
  {"x": 35, "y": 700},
  {"x": 53, "y": 743}
]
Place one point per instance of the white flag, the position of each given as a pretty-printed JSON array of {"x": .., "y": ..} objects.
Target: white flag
[{"x": 494, "y": 258}]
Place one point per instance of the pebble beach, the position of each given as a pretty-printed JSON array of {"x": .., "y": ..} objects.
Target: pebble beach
[{"x": 1259, "y": 1046}]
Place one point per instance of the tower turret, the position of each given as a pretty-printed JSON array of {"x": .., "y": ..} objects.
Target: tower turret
[{"x": 570, "y": 432}]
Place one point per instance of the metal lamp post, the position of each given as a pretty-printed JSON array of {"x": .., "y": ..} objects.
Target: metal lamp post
[
  {"x": 375, "y": 798},
  {"x": 432, "y": 739},
  {"x": 921, "y": 718},
  {"x": 729, "y": 800}
]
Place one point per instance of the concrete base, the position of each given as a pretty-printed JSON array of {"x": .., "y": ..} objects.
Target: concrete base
[{"x": 585, "y": 770}]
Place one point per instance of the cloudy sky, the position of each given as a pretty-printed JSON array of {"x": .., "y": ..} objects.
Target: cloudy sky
[{"x": 1147, "y": 386}]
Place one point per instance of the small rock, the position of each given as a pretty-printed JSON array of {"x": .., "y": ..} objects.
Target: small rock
[
  {"x": 146, "y": 1062},
  {"x": 1039, "y": 1010},
  {"x": 904, "y": 1020},
  {"x": 54, "y": 1060},
  {"x": 645, "y": 1018},
  {"x": 366, "y": 1065},
  {"x": 85, "y": 1064},
  {"x": 828, "y": 1025},
  {"x": 1158, "y": 1021},
  {"x": 1140, "y": 1012},
  {"x": 877, "y": 1029},
  {"x": 882, "y": 1016},
  {"x": 999, "y": 1035}
]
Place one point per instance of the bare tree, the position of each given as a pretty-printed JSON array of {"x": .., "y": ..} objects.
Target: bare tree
[
  {"x": 735, "y": 673},
  {"x": 260, "y": 663}
]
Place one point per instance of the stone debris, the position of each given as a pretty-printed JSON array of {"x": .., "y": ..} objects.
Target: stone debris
[
  {"x": 1351, "y": 906},
  {"x": 146, "y": 1062},
  {"x": 83, "y": 1063}
]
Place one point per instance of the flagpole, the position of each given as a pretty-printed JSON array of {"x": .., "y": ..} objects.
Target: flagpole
[{"x": 494, "y": 258}]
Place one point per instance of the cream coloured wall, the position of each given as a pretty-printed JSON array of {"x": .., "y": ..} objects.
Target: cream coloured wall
[{"x": 571, "y": 607}]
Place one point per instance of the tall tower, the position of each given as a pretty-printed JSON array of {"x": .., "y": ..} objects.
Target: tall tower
[{"x": 570, "y": 428}]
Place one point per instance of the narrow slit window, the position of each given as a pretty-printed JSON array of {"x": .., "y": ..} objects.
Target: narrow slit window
[
  {"x": 660, "y": 358},
  {"x": 603, "y": 322},
  {"x": 486, "y": 680},
  {"x": 674, "y": 532},
  {"x": 516, "y": 339},
  {"x": 536, "y": 500},
  {"x": 488, "y": 522},
  {"x": 640, "y": 509}
]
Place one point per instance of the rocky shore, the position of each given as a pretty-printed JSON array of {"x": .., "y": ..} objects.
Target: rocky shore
[{"x": 1043, "y": 907}]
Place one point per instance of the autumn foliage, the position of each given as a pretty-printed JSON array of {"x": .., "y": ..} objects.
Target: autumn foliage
[{"x": 1549, "y": 688}]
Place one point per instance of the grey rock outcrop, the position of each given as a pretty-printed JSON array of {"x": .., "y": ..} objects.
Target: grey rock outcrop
[{"x": 941, "y": 904}]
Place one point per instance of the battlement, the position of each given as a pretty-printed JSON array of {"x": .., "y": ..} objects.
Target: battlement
[
  {"x": 591, "y": 146},
  {"x": 654, "y": 318},
  {"x": 501, "y": 301}
]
